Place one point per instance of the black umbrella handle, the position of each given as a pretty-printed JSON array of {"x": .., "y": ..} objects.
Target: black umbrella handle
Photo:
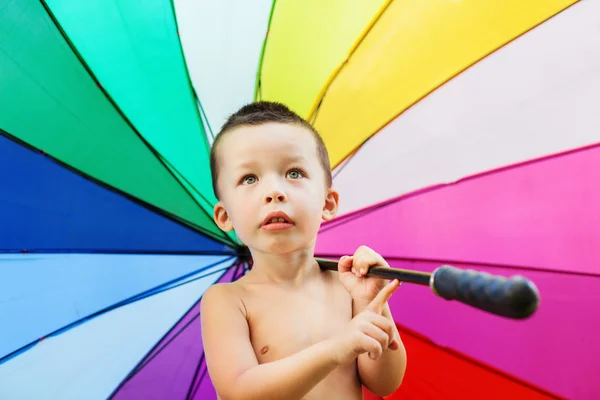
[{"x": 514, "y": 297}]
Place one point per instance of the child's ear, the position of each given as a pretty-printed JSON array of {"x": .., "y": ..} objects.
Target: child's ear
[
  {"x": 331, "y": 204},
  {"x": 221, "y": 217}
]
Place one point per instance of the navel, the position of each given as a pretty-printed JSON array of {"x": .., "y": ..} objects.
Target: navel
[{"x": 264, "y": 350}]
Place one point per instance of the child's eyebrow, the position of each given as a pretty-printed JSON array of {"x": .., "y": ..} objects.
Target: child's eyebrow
[
  {"x": 294, "y": 159},
  {"x": 246, "y": 164}
]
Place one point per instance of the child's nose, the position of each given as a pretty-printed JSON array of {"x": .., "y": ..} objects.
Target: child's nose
[{"x": 275, "y": 195}]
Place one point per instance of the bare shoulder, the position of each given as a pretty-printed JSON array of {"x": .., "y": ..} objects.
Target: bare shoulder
[{"x": 222, "y": 296}]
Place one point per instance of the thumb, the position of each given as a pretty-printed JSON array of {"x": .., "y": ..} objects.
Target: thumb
[{"x": 383, "y": 296}]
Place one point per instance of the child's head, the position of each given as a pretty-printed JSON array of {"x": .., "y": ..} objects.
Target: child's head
[{"x": 267, "y": 159}]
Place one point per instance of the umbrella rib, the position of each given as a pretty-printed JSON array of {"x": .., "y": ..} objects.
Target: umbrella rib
[
  {"x": 137, "y": 368},
  {"x": 364, "y": 211},
  {"x": 199, "y": 381},
  {"x": 172, "y": 284},
  {"x": 161, "y": 159},
  {"x": 147, "y": 360},
  {"x": 193, "y": 385},
  {"x": 194, "y": 93},
  {"x": 153, "y": 352},
  {"x": 180, "y": 221},
  {"x": 205, "y": 117},
  {"x": 341, "y": 167},
  {"x": 361, "y": 212},
  {"x": 166, "y": 162},
  {"x": 312, "y": 113},
  {"x": 378, "y": 130},
  {"x": 237, "y": 269},
  {"x": 257, "y": 83},
  {"x": 238, "y": 274},
  {"x": 171, "y": 166},
  {"x": 471, "y": 263}
]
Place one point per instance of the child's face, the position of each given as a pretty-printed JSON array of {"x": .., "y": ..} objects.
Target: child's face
[{"x": 270, "y": 168}]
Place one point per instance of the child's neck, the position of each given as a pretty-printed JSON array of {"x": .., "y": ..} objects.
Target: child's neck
[{"x": 291, "y": 268}]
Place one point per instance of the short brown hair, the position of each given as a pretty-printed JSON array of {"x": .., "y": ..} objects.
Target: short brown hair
[{"x": 263, "y": 112}]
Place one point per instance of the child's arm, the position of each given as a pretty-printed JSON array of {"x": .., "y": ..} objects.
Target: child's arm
[
  {"x": 384, "y": 375},
  {"x": 233, "y": 367}
]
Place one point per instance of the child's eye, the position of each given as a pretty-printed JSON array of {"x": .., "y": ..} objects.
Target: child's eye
[
  {"x": 249, "y": 179},
  {"x": 295, "y": 174}
]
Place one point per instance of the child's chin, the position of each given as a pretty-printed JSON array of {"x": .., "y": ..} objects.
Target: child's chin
[{"x": 281, "y": 247}]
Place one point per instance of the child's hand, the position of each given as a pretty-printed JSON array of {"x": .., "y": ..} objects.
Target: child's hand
[
  {"x": 352, "y": 271},
  {"x": 368, "y": 331}
]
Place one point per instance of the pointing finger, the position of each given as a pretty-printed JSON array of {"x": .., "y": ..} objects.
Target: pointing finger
[{"x": 383, "y": 296}]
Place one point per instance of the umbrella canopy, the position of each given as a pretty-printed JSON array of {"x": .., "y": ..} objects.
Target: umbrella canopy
[{"x": 459, "y": 132}]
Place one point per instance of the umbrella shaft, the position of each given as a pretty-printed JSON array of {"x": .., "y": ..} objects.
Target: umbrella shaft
[{"x": 403, "y": 275}]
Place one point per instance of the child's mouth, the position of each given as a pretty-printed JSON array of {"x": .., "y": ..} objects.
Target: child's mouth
[
  {"x": 277, "y": 226},
  {"x": 277, "y": 222}
]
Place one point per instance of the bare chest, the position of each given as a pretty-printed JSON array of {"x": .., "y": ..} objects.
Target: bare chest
[{"x": 284, "y": 322}]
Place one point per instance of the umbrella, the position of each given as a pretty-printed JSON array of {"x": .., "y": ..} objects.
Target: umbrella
[{"x": 462, "y": 133}]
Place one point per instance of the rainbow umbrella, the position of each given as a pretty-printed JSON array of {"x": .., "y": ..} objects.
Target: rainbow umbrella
[{"x": 461, "y": 132}]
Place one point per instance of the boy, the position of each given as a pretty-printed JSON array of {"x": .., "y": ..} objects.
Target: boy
[{"x": 287, "y": 329}]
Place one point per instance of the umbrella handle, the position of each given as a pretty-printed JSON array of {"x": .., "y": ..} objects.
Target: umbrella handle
[{"x": 515, "y": 297}]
